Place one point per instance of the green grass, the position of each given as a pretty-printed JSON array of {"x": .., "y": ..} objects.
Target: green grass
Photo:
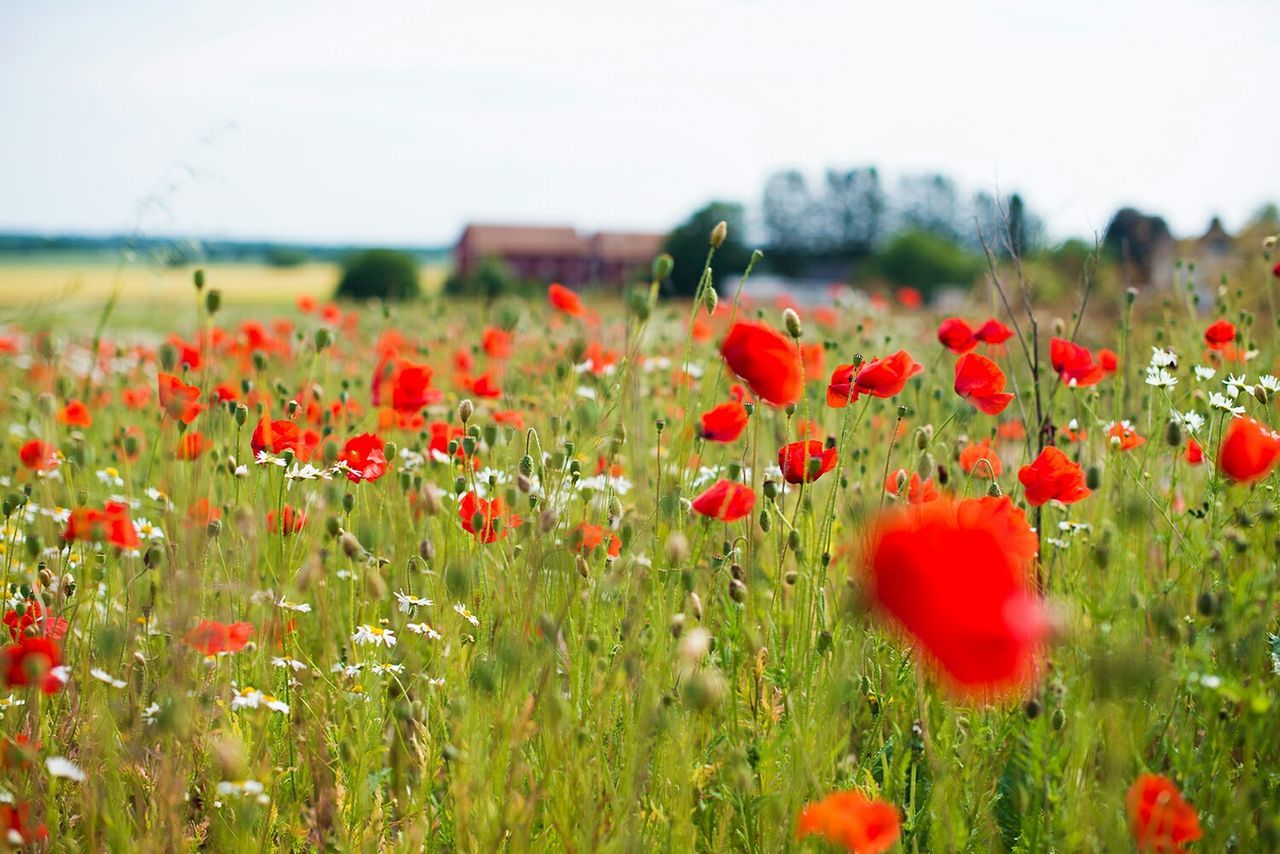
[{"x": 572, "y": 717}]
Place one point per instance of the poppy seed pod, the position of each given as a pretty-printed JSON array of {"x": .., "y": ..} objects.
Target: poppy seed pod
[
  {"x": 1173, "y": 433},
  {"x": 677, "y": 549},
  {"x": 213, "y": 301},
  {"x": 662, "y": 266},
  {"x": 677, "y": 624},
  {"x": 350, "y": 545},
  {"x": 547, "y": 521},
  {"x": 198, "y": 279},
  {"x": 465, "y": 410},
  {"x": 323, "y": 338},
  {"x": 710, "y": 299},
  {"x": 1093, "y": 477},
  {"x": 737, "y": 590},
  {"x": 791, "y": 322},
  {"x": 719, "y": 233}
]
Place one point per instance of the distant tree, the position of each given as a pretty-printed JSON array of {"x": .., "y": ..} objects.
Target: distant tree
[
  {"x": 925, "y": 261},
  {"x": 790, "y": 214},
  {"x": 853, "y": 212},
  {"x": 1133, "y": 239},
  {"x": 379, "y": 274},
  {"x": 688, "y": 244},
  {"x": 285, "y": 256},
  {"x": 489, "y": 280},
  {"x": 930, "y": 203},
  {"x": 1004, "y": 223}
]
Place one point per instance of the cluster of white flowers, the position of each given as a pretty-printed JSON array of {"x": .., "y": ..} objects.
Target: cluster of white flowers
[
  {"x": 374, "y": 636},
  {"x": 252, "y": 698}
]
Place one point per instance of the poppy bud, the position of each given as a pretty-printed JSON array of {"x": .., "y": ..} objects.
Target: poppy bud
[
  {"x": 581, "y": 563},
  {"x": 1173, "y": 433},
  {"x": 695, "y": 605},
  {"x": 1261, "y": 394},
  {"x": 793, "y": 539},
  {"x": 323, "y": 339},
  {"x": 213, "y": 528},
  {"x": 213, "y": 301},
  {"x": 824, "y": 641},
  {"x": 770, "y": 489},
  {"x": 993, "y": 490},
  {"x": 465, "y": 410},
  {"x": 350, "y": 545},
  {"x": 168, "y": 355},
  {"x": 765, "y": 522},
  {"x": 242, "y": 414},
  {"x": 737, "y": 590},
  {"x": 546, "y": 522},
  {"x": 662, "y": 266},
  {"x": 922, "y": 439},
  {"x": 710, "y": 299},
  {"x": 1206, "y": 604},
  {"x": 791, "y": 322},
  {"x": 791, "y": 577},
  {"x": 719, "y": 233},
  {"x": 198, "y": 278},
  {"x": 903, "y": 411},
  {"x": 132, "y": 444},
  {"x": 348, "y": 502},
  {"x": 1032, "y": 708},
  {"x": 1059, "y": 719},
  {"x": 677, "y": 624},
  {"x": 1093, "y": 477}
]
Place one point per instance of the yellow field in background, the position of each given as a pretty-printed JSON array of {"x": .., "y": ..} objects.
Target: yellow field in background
[{"x": 23, "y": 283}]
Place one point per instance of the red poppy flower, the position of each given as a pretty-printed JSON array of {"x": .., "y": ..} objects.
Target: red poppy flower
[
  {"x": 1158, "y": 816},
  {"x": 766, "y": 360},
  {"x": 980, "y": 459},
  {"x": 805, "y": 462},
  {"x": 487, "y": 521},
  {"x": 38, "y": 456},
  {"x": 364, "y": 458},
  {"x": 878, "y": 378},
  {"x": 814, "y": 356},
  {"x": 32, "y": 620},
  {"x": 111, "y": 524},
  {"x": 15, "y": 822},
  {"x": 1052, "y": 476},
  {"x": 956, "y": 335},
  {"x": 851, "y": 820},
  {"x": 918, "y": 491},
  {"x": 1219, "y": 334},
  {"x": 497, "y": 343},
  {"x": 909, "y": 297},
  {"x": 75, "y": 414},
  {"x": 1275, "y": 271},
  {"x": 442, "y": 433},
  {"x": 1124, "y": 437},
  {"x": 993, "y": 332},
  {"x": 951, "y": 583},
  {"x": 188, "y": 354},
  {"x": 1012, "y": 430},
  {"x": 278, "y": 437},
  {"x": 191, "y": 445},
  {"x": 724, "y": 423},
  {"x": 1195, "y": 454},
  {"x": 411, "y": 388},
  {"x": 1003, "y": 518},
  {"x": 136, "y": 397},
  {"x": 586, "y": 538},
  {"x": 1073, "y": 363},
  {"x": 725, "y": 500},
  {"x": 981, "y": 382},
  {"x": 223, "y": 392},
  {"x": 564, "y": 300},
  {"x": 33, "y": 660},
  {"x": 485, "y": 386},
  {"x": 214, "y": 638},
  {"x": 509, "y": 418},
  {"x": 289, "y": 521},
  {"x": 177, "y": 399},
  {"x": 1249, "y": 451},
  {"x": 1108, "y": 361}
]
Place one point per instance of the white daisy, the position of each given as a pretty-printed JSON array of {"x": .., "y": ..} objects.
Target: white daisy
[
  {"x": 409, "y": 602},
  {"x": 375, "y": 635}
]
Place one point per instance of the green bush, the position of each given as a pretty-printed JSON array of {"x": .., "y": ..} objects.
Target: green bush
[
  {"x": 379, "y": 274},
  {"x": 489, "y": 280},
  {"x": 924, "y": 261}
]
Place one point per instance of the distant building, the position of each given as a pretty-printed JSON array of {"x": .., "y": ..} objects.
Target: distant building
[{"x": 558, "y": 253}]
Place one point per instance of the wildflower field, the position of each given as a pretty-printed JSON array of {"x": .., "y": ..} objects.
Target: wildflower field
[{"x": 636, "y": 574}]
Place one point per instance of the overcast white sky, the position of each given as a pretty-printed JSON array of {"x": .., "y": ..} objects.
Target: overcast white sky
[{"x": 399, "y": 121}]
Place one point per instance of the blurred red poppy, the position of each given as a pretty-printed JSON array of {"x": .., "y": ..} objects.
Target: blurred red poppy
[
  {"x": 15, "y": 822},
  {"x": 33, "y": 660},
  {"x": 278, "y": 437},
  {"x": 1219, "y": 334},
  {"x": 564, "y": 300},
  {"x": 177, "y": 399},
  {"x": 111, "y": 524},
  {"x": 723, "y": 423},
  {"x": 766, "y": 360},
  {"x": 214, "y": 638},
  {"x": 918, "y": 491},
  {"x": 1249, "y": 451},
  {"x": 981, "y": 382},
  {"x": 851, "y": 820},
  {"x": 1073, "y": 363},
  {"x": 1108, "y": 361},
  {"x": 1052, "y": 476},
  {"x": 805, "y": 462},
  {"x": 956, "y": 335},
  {"x": 364, "y": 458},
  {"x": 1195, "y": 454},
  {"x": 191, "y": 445},
  {"x": 75, "y": 414},
  {"x": 1123, "y": 437},
  {"x": 878, "y": 378},
  {"x": 981, "y": 460},
  {"x": 586, "y": 538},
  {"x": 993, "y": 332},
  {"x": 487, "y": 521},
  {"x": 289, "y": 521},
  {"x": 1159, "y": 818},
  {"x": 725, "y": 500},
  {"x": 950, "y": 582},
  {"x": 38, "y": 456}
]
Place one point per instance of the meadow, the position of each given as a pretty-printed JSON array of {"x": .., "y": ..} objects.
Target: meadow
[{"x": 639, "y": 574}]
